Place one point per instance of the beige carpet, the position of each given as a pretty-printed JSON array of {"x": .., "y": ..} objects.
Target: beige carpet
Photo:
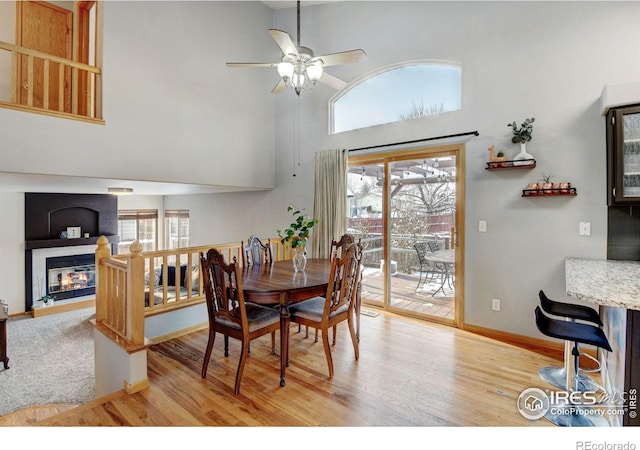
[{"x": 51, "y": 361}]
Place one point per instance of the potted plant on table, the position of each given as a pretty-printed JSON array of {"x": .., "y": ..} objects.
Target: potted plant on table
[
  {"x": 297, "y": 234},
  {"x": 522, "y": 135}
]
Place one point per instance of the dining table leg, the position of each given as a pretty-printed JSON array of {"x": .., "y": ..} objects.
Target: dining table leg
[{"x": 284, "y": 341}]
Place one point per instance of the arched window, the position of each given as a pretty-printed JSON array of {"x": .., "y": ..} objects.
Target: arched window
[{"x": 403, "y": 91}]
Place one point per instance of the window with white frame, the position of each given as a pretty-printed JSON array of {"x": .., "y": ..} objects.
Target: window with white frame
[
  {"x": 400, "y": 92},
  {"x": 140, "y": 225},
  {"x": 176, "y": 228}
]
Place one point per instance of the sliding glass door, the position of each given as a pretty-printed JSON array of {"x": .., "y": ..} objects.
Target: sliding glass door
[{"x": 407, "y": 208}]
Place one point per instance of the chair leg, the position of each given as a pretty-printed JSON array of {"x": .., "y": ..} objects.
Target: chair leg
[
  {"x": 327, "y": 351},
  {"x": 335, "y": 331},
  {"x": 354, "y": 337},
  {"x": 316, "y": 340},
  {"x": 226, "y": 346},
  {"x": 243, "y": 360},
  {"x": 207, "y": 353},
  {"x": 306, "y": 328},
  {"x": 358, "y": 305}
]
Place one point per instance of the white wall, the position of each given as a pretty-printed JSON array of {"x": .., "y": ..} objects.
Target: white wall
[{"x": 12, "y": 251}]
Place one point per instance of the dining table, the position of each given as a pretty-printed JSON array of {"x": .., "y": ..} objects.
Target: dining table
[{"x": 279, "y": 285}]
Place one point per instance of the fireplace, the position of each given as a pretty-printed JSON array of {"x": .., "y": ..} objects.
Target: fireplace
[
  {"x": 57, "y": 263},
  {"x": 71, "y": 276}
]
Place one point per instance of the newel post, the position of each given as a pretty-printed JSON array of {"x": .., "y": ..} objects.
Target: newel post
[
  {"x": 102, "y": 251},
  {"x": 135, "y": 295}
]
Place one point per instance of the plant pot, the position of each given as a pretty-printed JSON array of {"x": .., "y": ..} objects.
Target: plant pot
[{"x": 523, "y": 158}]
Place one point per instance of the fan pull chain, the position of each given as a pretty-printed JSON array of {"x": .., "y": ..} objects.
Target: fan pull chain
[{"x": 296, "y": 136}]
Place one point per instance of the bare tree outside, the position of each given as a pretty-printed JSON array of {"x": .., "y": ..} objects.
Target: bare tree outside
[{"x": 418, "y": 110}]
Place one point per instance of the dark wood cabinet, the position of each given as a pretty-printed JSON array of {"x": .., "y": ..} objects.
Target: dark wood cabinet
[{"x": 623, "y": 155}]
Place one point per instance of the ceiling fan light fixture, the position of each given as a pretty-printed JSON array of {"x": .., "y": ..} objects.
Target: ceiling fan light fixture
[
  {"x": 285, "y": 70},
  {"x": 314, "y": 72},
  {"x": 299, "y": 68}
]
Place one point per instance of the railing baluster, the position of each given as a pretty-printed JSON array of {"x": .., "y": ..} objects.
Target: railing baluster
[
  {"x": 74, "y": 90},
  {"x": 45, "y": 100},
  {"x": 30, "y": 80},
  {"x": 61, "y": 87}
]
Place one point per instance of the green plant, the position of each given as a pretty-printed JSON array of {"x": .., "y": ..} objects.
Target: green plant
[
  {"x": 298, "y": 231},
  {"x": 546, "y": 178},
  {"x": 522, "y": 134},
  {"x": 47, "y": 298}
]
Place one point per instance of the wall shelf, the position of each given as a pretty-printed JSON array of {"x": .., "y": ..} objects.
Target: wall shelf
[
  {"x": 555, "y": 192},
  {"x": 519, "y": 164}
]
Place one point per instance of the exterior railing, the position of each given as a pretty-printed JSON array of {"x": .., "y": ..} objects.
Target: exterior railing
[{"x": 70, "y": 76}]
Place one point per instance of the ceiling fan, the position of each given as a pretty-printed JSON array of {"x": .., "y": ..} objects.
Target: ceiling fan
[{"x": 299, "y": 68}]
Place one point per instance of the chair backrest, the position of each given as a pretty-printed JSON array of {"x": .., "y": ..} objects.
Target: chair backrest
[
  {"x": 222, "y": 285},
  {"x": 256, "y": 252},
  {"x": 342, "y": 244},
  {"x": 422, "y": 251},
  {"x": 433, "y": 246},
  {"x": 343, "y": 279}
]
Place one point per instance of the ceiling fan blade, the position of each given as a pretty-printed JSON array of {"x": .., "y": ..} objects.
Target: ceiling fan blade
[
  {"x": 281, "y": 86},
  {"x": 348, "y": 57},
  {"x": 332, "y": 81},
  {"x": 284, "y": 42},
  {"x": 237, "y": 64}
]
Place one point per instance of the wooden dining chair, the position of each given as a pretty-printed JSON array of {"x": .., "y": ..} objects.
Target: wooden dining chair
[
  {"x": 256, "y": 251},
  {"x": 339, "y": 246},
  {"x": 229, "y": 315},
  {"x": 337, "y": 305}
]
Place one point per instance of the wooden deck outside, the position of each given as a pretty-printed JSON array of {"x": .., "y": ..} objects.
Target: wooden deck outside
[{"x": 405, "y": 296}]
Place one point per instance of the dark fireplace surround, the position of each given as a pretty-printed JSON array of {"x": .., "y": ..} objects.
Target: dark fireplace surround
[{"x": 47, "y": 215}]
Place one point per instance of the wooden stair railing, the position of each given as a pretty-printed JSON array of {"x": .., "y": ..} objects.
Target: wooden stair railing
[
  {"x": 120, "y": 294},
  {"x": 21, "y": 56},
  {"x": 127, "y": 289}
]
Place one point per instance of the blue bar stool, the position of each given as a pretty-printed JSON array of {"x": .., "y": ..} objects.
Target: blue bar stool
[
  {"x": 566, "y": 414},
  {"x": 557, "y": 376}
]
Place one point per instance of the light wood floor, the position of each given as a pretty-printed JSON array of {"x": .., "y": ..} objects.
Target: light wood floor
[{"x": 410, "y": 373}]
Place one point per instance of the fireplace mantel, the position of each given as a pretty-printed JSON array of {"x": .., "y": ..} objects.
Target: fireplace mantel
[{"x": 51, "y": 243}]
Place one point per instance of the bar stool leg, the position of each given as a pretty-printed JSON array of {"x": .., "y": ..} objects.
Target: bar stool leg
[
  {"x": 562, "y": 412},
  {"x": 558, "y": 376}
]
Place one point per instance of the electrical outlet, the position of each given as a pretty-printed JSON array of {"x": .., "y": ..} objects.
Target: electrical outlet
[
  {"x": 482, "y": 226},
  {"x": 495, "y": 304}
]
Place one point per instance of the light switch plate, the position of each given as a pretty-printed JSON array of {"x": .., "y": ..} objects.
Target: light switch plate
[
  {"x": 482, "y": 226},
  {"x": 585, "y": 229}
]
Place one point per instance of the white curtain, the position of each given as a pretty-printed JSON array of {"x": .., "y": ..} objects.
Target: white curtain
[{"x": 330, "y": 203}]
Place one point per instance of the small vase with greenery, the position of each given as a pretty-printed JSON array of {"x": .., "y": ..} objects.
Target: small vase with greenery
[
  {"x": 46, "y": 299},
  {"x": 297, "y": 234},
  {"x": 522, "y": 135}
]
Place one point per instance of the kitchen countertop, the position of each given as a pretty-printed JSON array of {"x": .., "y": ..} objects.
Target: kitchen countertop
[{"x": 604, "y": 282}]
